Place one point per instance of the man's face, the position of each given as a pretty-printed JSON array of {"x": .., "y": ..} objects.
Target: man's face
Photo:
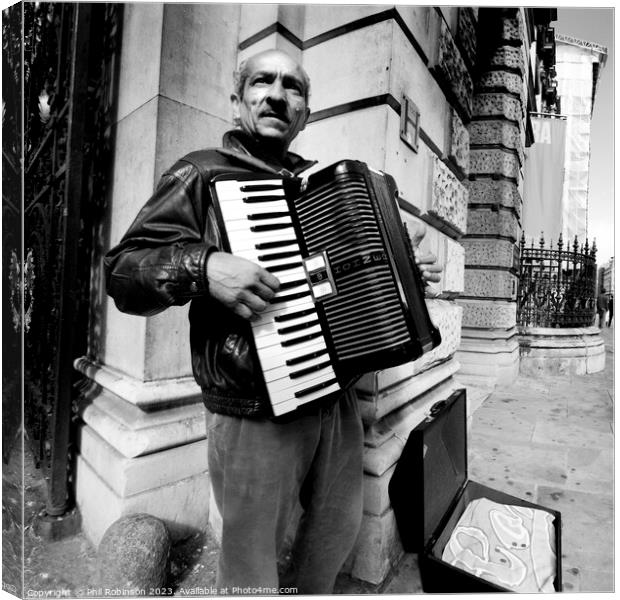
[{"x": 273, "y": 108}]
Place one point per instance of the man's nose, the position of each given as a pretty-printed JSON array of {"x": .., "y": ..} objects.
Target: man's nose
[{"x": 276, "y": 91}]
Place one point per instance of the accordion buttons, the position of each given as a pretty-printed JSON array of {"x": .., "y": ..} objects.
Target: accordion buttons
[{"x": 322, "y": 289}]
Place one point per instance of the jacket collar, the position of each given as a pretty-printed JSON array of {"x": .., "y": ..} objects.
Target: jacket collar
[{"x": 240, "y": 146}]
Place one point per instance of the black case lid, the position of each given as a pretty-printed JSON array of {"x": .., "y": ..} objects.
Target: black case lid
[{"x": 431, "y": 471}]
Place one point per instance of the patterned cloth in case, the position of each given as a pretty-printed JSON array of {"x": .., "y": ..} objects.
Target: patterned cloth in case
[{"x": 510, "y": 546}]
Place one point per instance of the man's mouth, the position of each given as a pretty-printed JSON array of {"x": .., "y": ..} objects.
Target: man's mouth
[{"x": 273, "y": 115}]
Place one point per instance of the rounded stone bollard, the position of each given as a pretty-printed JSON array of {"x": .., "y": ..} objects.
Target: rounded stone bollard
[{"x": 133, "y": 555}]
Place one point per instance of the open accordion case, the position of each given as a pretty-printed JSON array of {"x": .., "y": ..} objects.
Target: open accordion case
[{"x": 470, "y": 537}]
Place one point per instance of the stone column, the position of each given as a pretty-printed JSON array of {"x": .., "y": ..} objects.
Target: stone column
[
  {"x": 142, "y": 444},
  {"x": 489, "y": 351}
]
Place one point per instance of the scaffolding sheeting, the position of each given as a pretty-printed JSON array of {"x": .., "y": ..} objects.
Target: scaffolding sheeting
[{"x": 577, "y": 65}]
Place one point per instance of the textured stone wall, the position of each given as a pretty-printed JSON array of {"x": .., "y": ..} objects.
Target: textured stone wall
[{"x": 497, "y": 134}]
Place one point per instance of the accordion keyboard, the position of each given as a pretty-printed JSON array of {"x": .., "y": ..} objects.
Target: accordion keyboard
[{"x": 288, "y": 336}]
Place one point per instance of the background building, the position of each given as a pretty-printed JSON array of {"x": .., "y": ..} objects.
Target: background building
[{"x": 606, "y": 277}]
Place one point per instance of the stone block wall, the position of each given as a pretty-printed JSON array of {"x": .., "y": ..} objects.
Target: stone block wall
[{"x": 497, "y": 136}]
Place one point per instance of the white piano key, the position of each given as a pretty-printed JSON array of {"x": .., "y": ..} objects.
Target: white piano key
[
  {"x": 268, "y": 326},
  {"x": 298, "y": 289},
  {"x": 272, "y": 311},
  {"x": 289, "y": 276},
  {"x": 231, "y": 190},
  {"x": 259, "y": 236},
  {"x": 281, "y": 371},
  {"x": 245, "y": 224},
  {"x": 307, "y": 364},
  {"x": 284, "y": 406},
  {"x": 265, "y": 354},
  {"x": 264, "y": 341},
  {"x": 303, "y": 383},
  {"x": 247, "y": 243},
  {"x": 264, "y": 256},
  {"x": 241, "y": 210},
  {"x": 335, "y": 387}
]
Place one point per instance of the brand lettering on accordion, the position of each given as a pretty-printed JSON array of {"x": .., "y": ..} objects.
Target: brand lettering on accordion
[
  {"x": 359, "y": 262},
  {"x": 351, "y": 298}
]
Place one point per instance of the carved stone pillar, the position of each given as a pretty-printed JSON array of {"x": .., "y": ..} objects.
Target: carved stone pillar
[{"x": 489, "y": 352}]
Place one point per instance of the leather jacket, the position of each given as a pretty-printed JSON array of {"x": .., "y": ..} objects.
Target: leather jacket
[{"x": 161, "y": 262}]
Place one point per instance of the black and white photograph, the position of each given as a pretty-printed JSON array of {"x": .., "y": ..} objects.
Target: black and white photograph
[{"x": 307, "y": 299}]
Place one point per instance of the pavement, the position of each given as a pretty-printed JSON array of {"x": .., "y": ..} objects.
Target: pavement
[{"x": 547, "y": 439}]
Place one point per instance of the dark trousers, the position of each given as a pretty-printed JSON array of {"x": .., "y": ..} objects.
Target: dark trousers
[{"x": 260, "y": 470}]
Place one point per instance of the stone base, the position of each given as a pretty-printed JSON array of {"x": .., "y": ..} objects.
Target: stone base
[
  {"x": 183, "y": 505},
  {"x": 489, "y": 356},
  {"x": 561, "y": 351},
  {"x": 135, "y": 460},
  {"x": 377, "y": 550}
]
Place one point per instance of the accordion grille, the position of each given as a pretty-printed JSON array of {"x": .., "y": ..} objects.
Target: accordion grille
[{"x": 366, "y": 315}]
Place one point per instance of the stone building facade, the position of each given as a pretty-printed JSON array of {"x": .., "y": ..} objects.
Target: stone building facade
[{"x": 438, "y": 98}]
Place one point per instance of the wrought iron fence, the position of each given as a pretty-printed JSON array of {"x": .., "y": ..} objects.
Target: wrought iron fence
[
  {"x": 63, "y": 58},
  {"x": 557, "y": 288}
]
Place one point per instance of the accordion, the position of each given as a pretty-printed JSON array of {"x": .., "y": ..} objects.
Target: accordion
[{"x": 351, "y": 298}]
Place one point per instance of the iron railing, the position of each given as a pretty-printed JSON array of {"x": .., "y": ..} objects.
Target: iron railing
[{"x": 557, "y": 288}]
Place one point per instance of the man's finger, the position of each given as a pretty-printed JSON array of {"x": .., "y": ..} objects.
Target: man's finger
[
  {"x": 264, "y": 291},
  {"x": 427, "y": 258},
  {"x": 243, "y": 311},
  {"x": 270, "y": 280},
  {"x": 254, "y": 302},
  {"x": 431, "y": 277},
  {"x": 419, "y": 231}
]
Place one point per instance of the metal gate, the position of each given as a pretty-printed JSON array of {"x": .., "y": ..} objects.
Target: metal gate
[{"x": 69, "y": 65}]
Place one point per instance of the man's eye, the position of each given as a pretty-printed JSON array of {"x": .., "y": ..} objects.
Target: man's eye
[{"x": 296, "y": 87}]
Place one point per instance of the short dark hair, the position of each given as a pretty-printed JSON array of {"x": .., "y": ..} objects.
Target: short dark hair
[{"x": 241, "y": 74}]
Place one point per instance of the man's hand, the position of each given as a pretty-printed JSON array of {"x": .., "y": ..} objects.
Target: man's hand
[
  {"x": 240, "y": 284},
  {"x": 426, "y": 261},
  {"x": 430, "y": 270}
]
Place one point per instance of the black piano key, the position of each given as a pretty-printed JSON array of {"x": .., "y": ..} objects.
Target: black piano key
[
  {"x": 260, "y": 187},
  {"x": 294, "y": 315},
  {"x": 277, "y": 255},
  {"x": 299, "y": 327},
  {"x": 284, "y": 267},
  {"x": 259, "y": 199},
  {"x": 305, "y": 357},
  {"x": 287, "y": 285},
  {"x": 300, "y": 339},
  {"x": 315, "y": 388},
  {"x": 308, "y": 370},
  {"x": 272, "y": 227},
  {"x": 269, "y": 215},
  {"x": 269, "y": 245},
  {"x": 279, "y": 299}
]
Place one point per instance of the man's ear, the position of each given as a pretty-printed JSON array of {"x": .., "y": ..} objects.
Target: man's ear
[{"x": 235, "y": 101}]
